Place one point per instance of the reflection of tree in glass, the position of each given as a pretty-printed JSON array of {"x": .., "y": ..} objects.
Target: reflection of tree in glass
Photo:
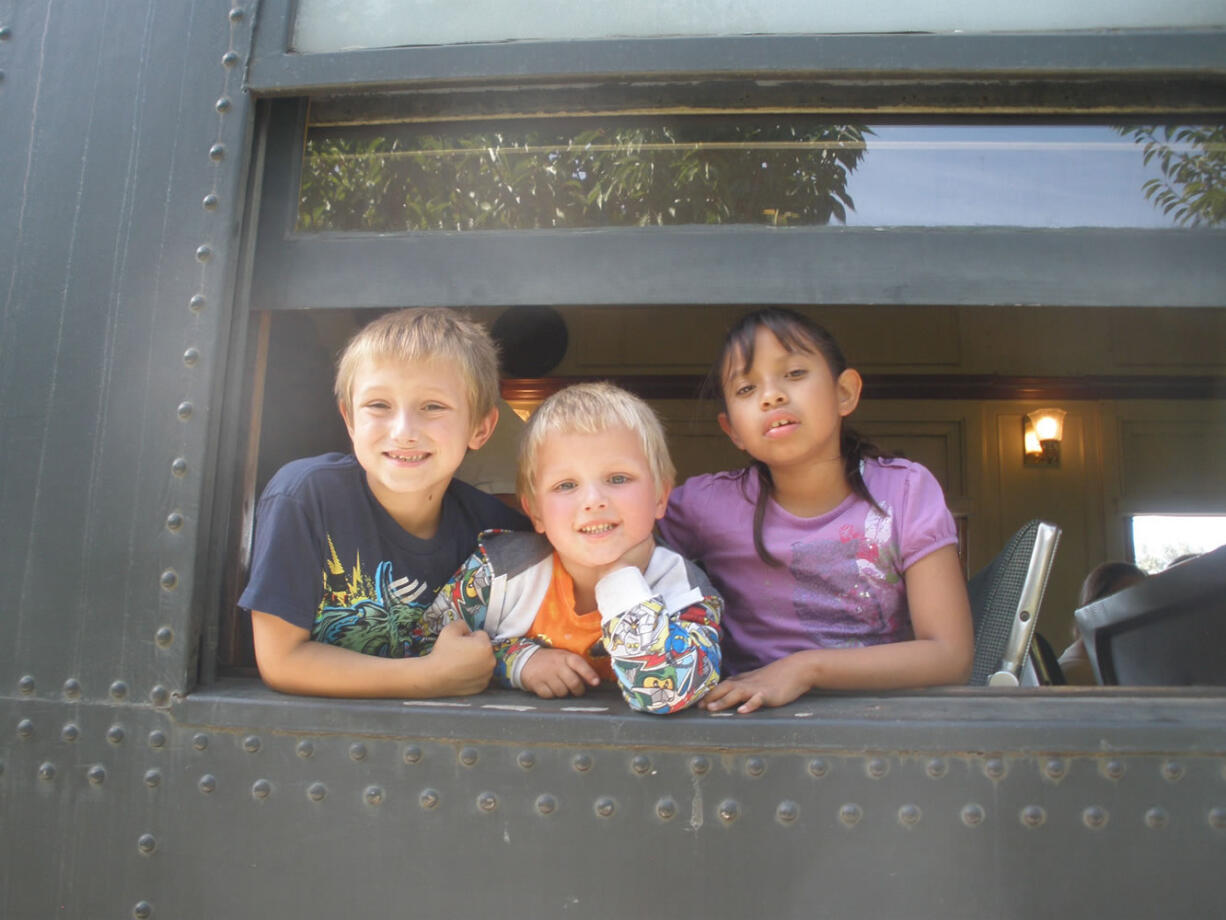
[
  {"x": 1193, "y": 162},
  {"x": 680, "y": 173}
]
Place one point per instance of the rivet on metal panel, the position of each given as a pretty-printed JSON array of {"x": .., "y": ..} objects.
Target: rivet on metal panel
[
  {"x": 164, "y": 637},
  {"x": 72, "y": 688},
  {"x": 428, "y": 798},
  {"x": 70, "y": 732},
  {"x": 666, "y": 809},
  {"x": 581, "y": 763},
  {"x": 1033, "y": 815},
  {"x": 787, "y": 812},
  {"x": 468, "y": 756},
  {"x": 5, "y": 33},
  {"x": 1217, "y": 819},
  {"x": 153, "y": 778},
  {"x": 373, "y": 795},
  {"x": 412, "y": 754},
  {"x": 115, "y": 734},
  {"x": 877, "y": 767},
  {"x": 146, "y": 843},
  {"x": 142, "y": 910},
  {"x": 1157, "y": 818},
  {"x": 174, "y": 521},
  {"x": 25, "y": 729},
  {"x": 200, "y": 741},
  {"x": 207, "y": 783},
  {"x": 210, "y": 202},
  {"x": 217, "y": 152},
  {"x": 546, "y": 804},
  {"x": 26, "y": 685},
  {"x": 96, "y": 774},
  {"x": 487, "y": 802},
  {"x": 191, "y": 357},
  {"x": 818, "y": 767},
  {"x": 994, "y": 768},
  {"x": 972, "y": 814},
  {"x": 1113, "y": 769},
  {"x": 526, "y": 760},
  {"x": 157, "y": 739},
  {"x": 305, "y": 749},
  {"x": 236, "y": 14},
  {"x": 119, "y": 690},
  {"x": 850, "y": 814},
  {"x": 261, "y": 789},
  {"x": 699, "y": 765},
  {"x": 1094, "y": 817},
  {"x": 169, "y": 580},
  {"x": 605, "y": 807},
  {"x": 909, "y": 815},
  {"x": 640, "y": 764},
  {"x": 223, "y": 104},
  {"x": 46, "y": 771},
  {"x": 204, "y": 253},
  {"x": 936, "y": 768},
  {"x": 1172, "y": 771},
  {"x": 1055, "y": 768},
  {"x": 357, "y": 751},
  {"x": 179, "y": 466},
  {"x": 755, "y": 766},
  {"x": 252, "y": 744},
  {"x": 229, "y": 59},
  {"x": 159, "y": 696},
  {"x": 196, "y": 303},
  {"x": 316, "y": 792}
]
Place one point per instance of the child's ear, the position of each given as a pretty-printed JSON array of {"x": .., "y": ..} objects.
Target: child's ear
[
  {"x": 728, "y": 430},
  {"x": 848, "y": 388},
  {"x": 484, "y": 429},
  {"x": 662, "y": 502},
  {"x": 537, "y": 524},
  {"x": 340, "y": 404}
]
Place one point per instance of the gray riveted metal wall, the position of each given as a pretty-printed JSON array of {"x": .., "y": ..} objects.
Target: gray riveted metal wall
[{"x": 128, "y": 791}]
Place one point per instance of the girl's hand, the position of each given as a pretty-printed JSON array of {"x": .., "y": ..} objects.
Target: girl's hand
[
  {"x": 554, "y": 673},
  {"x": 777, "y": 684}
]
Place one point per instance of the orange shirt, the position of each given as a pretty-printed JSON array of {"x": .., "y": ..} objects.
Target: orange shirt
[{"x": 559, "y": 626}]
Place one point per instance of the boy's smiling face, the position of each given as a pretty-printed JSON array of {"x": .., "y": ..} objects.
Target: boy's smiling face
[
  {"x": 595, "y": 498},
  {"x": 411, "y": 425}
]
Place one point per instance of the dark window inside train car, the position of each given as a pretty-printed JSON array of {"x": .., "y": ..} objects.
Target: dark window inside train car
[{"x": 951, "y": 372}]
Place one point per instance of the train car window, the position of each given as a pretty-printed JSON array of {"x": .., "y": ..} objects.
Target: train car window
[
  {"x": 1162, "y": 540},
  {"x": 604, "y": 171}
]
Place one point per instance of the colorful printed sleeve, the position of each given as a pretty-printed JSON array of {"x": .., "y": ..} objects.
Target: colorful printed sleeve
[
  {"x": 665, "y": 653},
  {"x": 510, "y": 656},
  {"x": 465, "y": 597}
]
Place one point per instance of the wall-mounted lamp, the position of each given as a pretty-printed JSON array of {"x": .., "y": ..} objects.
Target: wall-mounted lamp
[{"x": 1042, "y": 431}]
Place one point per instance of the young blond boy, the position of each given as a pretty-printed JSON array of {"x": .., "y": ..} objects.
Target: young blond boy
[
  {"x": 350, "y": 549},
  {"x": 596, "y": 597}
]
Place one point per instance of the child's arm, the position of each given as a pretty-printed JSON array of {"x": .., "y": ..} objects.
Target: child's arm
[
  {"x": 664, "y": 660},
  {"x": 550, "y": 673},
  {"x": 459, "y": 665},
  {"x": 942, "y": 651}
]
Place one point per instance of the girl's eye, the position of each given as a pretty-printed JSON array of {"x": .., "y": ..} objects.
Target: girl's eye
[
  {"x": 796, "y": 372},
  {"x": 743, "y": 390}
]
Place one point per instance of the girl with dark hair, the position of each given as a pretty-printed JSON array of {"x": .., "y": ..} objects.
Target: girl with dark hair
[{"x": 838, "y": 565}]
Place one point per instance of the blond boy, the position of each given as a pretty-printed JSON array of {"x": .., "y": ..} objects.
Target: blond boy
[
  {"x": 595, "y": 598},
  {"x": 350, "y": 549}
]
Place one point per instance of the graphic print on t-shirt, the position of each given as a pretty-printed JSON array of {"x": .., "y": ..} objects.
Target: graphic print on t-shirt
[
  {"x": 838, "y": 589},
  {"x": 375, "y": 615}
]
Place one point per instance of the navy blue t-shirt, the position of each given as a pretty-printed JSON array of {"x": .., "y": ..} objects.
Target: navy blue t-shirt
[{"x": 329, "y": 558}]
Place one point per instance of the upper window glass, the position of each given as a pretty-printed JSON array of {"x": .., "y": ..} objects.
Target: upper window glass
[
  {"x": 340, "y": 25},
  {"x": 610, "y": 171}
]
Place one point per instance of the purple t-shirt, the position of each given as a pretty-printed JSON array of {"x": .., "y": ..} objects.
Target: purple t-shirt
[{"x": 841, "y": 582}]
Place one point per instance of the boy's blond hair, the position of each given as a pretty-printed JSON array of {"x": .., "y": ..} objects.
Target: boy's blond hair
[
  {"x": 590, "y": 408},
  {"x": 425, "y": 334}
]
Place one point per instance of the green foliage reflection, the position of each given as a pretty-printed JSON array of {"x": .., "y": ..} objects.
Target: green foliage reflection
[
  {"x": 658, "y": 174},
  {"x": 1192, "y": 189}
]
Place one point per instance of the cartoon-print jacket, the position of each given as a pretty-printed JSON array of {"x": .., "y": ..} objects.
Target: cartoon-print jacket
[{"x": 659, "y": 629}]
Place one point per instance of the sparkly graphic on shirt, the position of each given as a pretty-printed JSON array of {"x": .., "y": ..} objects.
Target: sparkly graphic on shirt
[
  {"x": 375, "y": 615},
  {"x": 845, "y": 588}
]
